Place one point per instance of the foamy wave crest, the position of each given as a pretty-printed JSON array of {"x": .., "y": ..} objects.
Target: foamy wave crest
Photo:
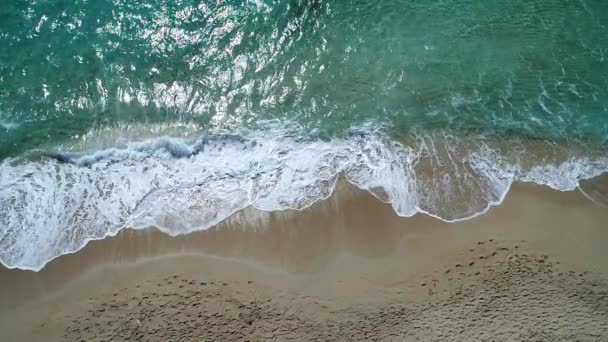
[{"x": 55, "y": 204}]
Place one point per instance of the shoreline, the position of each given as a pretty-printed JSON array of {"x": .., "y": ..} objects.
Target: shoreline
[
  {"x": 349, "y": 253},
  {"x": 59, "y": 204}
]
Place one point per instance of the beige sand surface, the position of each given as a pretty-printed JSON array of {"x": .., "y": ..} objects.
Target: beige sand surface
[{"x": 532, "y": 269}]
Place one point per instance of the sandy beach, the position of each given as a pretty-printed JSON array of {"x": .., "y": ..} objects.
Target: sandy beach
[{"x": 532, "y": 269}]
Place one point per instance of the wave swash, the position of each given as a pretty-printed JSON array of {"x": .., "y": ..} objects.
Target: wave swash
[{"x": 54, "y": 203}]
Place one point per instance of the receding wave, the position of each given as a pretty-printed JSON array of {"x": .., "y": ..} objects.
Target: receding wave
[
  {"x": 54, "y": 203},
  {"x": 596, "y": 189}
]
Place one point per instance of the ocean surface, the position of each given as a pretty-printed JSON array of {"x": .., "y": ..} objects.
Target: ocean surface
[{"x": 177, "y": 114}]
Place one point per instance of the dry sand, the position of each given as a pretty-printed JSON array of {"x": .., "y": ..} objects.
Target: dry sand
[{"x": 532, "y": 269}]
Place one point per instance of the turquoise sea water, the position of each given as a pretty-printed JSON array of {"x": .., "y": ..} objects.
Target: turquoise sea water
[{"x": 177, "y": 114}]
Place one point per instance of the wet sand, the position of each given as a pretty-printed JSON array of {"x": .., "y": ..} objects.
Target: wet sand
[{"x": 533, "y": 269}]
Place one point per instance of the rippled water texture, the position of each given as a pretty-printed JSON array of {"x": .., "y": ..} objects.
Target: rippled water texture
[{"x": 535, "y": 68}]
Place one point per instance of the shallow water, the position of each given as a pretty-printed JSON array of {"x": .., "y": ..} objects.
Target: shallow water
[{"x": 524, "y": 67}]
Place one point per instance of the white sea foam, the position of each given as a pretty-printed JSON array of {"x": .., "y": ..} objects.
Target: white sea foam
[
  {"x": 54, "y": 205},
  {"x": 8, "y": 125}
]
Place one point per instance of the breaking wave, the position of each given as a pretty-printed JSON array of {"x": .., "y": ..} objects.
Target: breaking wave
[{"x": 54, "y": 203}]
